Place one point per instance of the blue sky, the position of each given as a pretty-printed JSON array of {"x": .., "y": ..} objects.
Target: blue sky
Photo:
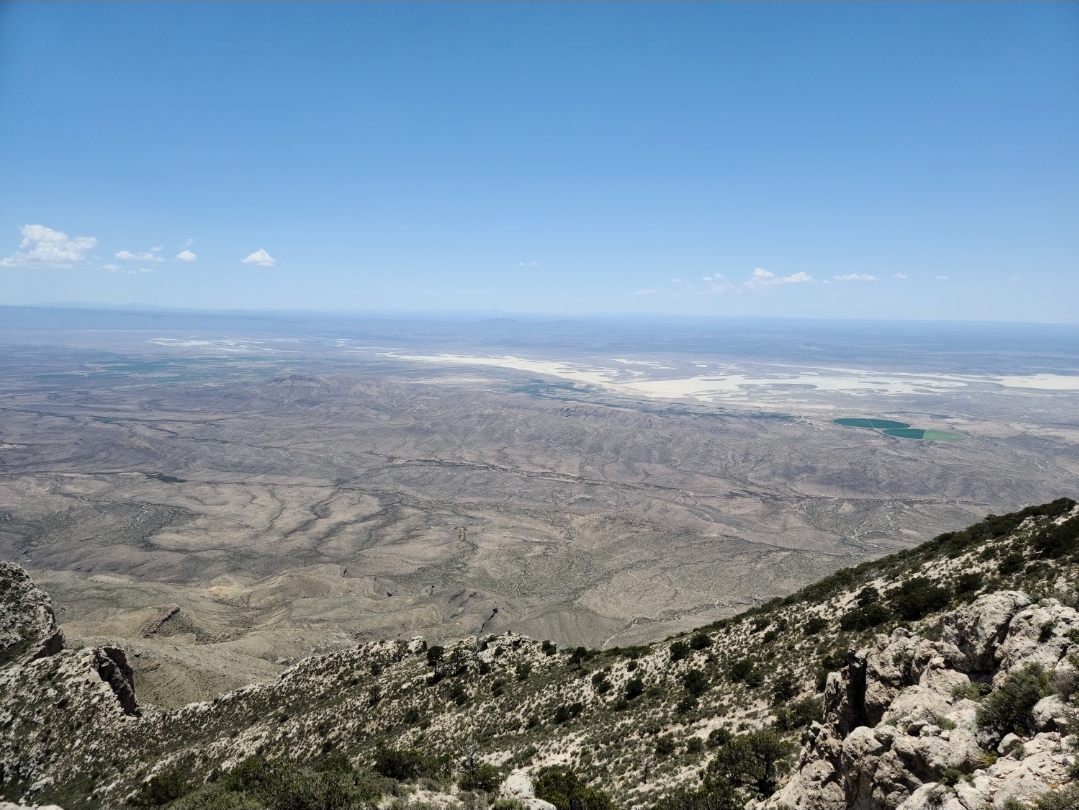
[{"x": 891, "y": 161}]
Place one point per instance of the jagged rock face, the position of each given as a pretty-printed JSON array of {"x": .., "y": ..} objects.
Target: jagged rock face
[
  {"x": 895, "y": 721},
  {"x": 27, "y": 623}
]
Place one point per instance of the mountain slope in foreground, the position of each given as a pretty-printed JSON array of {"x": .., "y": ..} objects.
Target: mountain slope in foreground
[{"x": 937, "y": 677}]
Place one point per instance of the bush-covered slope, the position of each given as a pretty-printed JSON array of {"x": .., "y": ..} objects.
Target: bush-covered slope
[{"x": 726, "y": 707}]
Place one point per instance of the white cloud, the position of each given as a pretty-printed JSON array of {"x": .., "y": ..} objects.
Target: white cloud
[
  {"x": 44, "y": 247},
  {"x": 717, "y": 284},
  {"x": 148, "y": 256},
  {"x": 649, "y": 291},
  {"x": 259, "y": 257},
  {"x": 856, "y": 277},
  {"x": 112, "y": 268},
  {"x": 190, "y": 241},
  {"x": 942, "y": 278},
  {"x": 900, "y": 276},
  {"x": 762, "y": 278},
  {"x": 529, "y": 264},
  {"x": 186, "y": 256}
]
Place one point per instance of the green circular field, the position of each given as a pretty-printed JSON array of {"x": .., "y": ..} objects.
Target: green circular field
[
  {"x": 901, "y": 430},
  {"x": 872, "y": 424},
  {"x": 925, "y": 435}
]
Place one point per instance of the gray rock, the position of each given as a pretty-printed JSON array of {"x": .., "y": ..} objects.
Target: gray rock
[
  {"x": 1050, "y": 714},
  {"x": 28, "y": 629},
  {"x": 972, "y": 634},
  {"x": 1008, "y": 744},
  {"x": 518, "y": 786}
]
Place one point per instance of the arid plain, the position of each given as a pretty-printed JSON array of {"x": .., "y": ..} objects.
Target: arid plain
[{"x": 222, "y": 503}]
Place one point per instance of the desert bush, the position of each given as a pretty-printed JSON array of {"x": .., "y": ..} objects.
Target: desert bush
[
  {"x": 665, "y": 746},
  {"x": 1008, "y": 708},
  {"x": 695, "y": 682},
  {"x": 162, "y": 789},
  {"x": 679, "y": 650},
  {"x": 814, "y": 625},
  {"x": 687, "y": 704},
  {"x": 482, "y": 777},
  {"x": 334, "y": 763},
  {"x": 406, "y": 764},
  {"x": 1055, "y": 541},
  {"x": 968, "y": 584},
  {"x": 740, "y": 669},
  {"x": 1010, "y": 564},
  {"x": 700, "y": 641},
  {"x": 564, "y": 789},
  {"x": 917, "y": 597},
  {"x": 751, "y": 762},
  {"x": 434, "y": 655},
  {"x": 634, "y": 688},
  {"x": 719, "y": 736},
  {"x": 564, "y": 713},
  {"x": 863, "y": 618},
  {"x": 548, "y": 648},
  {"x": 784, "y": 688},
  {"x": 1064, "y": 799},
  {"x": 799, "y": 714},
  {"x": 523, "y": 670}
]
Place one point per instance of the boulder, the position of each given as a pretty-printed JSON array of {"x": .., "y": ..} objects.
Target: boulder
[
  {"x": 518, "y": 787},
  {"x": 1050, "y": 714},
  {"x": 1037, "y": 634},
  {"x": 972, "y": 634}
]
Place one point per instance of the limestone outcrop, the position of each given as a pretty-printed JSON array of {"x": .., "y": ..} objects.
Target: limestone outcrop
[
  {"x": 28, "y": 629},
  {"x": 901, "y": 730},
  {"x": 518, "y": 786}
]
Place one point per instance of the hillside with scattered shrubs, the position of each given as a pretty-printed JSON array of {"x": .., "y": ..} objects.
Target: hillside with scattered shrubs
[{"x": 723, "y": 717}]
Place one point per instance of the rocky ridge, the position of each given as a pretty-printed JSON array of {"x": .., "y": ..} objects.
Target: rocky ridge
[
  {"x": 917, "y": 645},
  {"x": 901, "y": 730}
]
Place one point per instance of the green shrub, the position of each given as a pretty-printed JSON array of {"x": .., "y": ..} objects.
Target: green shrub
[
  {"x": 750, "y": 762},
  {"x": 695, "y": 682},
  {"x": 864, "y": 618},
  {"x": 523, "y": 670},
  {"x": 434, "y": 655},
  {"x": 719, "y": 736},
  {"x": 686, "y": 704},
  {"x": 403, "y": 764},
  {"x": 784, "y": 688},
  {"x": 799, "y": 714},
  {"x": 563, "y": 713},
  {"x": 665, "y": 746},
  {"x": 679, "y": 650},
  {"x": 1008, "y": 708},
  {"x": 917, "y": 597},
  {"x": 967, "y": 584},
  {"x": 161, "y": 789},
  {"x": 740, "y": 669},
  {"x": 634, "y": 688},
  {"x": 1056, "y": 541},
  {"x": 1064, "y": 799},
  {"x": 334, "y": 763},
  {"x": 700, "y": 641},
  {"x": 564, "y": 789},
  {"x": 814, "y": 625},
  {"x": 1011, "y": 564},
  {"x": 481, "y": 777}
]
